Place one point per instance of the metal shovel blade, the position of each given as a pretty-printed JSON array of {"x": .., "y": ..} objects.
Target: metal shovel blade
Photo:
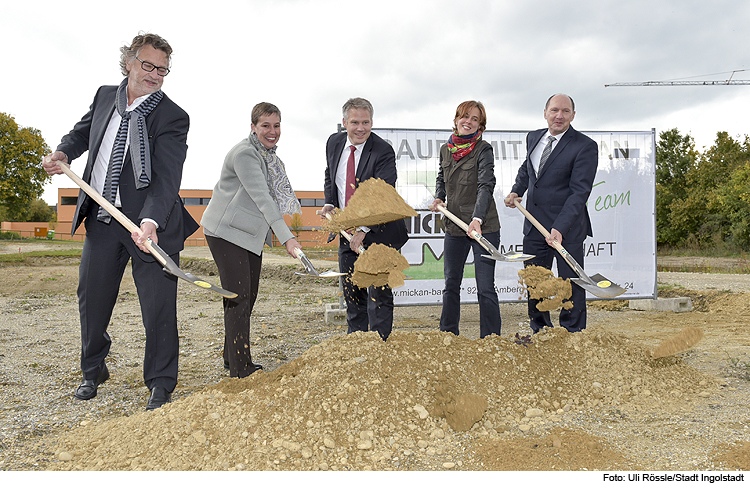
[
  {"x": 599, "y": 286},
  {"x": 327, "y": 273},
  {"x": 511, "y": 256},
  {"x": 310, "y": 269},
  {"x": 171, "y": 268}
]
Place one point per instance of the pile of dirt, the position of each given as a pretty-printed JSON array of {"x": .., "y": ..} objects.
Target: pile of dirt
[
  {"x": 427, "y": 400},
  {"x": 374, "y": 202}
]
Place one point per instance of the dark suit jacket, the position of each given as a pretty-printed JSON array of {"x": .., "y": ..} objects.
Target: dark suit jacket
[
  {"x": 167, "y": 133},
  {"x": 378, "y": 160},
  {"x": 558, "y": 197}
]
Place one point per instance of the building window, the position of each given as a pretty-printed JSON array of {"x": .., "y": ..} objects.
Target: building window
[
  {"x": 68, "y": 200},
  {"x": 196, "y": 201},
  {"x": 312, "y": 202}
]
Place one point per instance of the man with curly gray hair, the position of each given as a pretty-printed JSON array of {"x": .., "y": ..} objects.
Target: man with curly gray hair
[{"x": 136, "y": 139}]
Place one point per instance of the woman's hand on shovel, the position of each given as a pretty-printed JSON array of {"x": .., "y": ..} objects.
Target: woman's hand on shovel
[{"x": 291, "y": 245}]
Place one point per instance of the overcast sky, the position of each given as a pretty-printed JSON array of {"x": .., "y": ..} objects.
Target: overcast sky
[{"x": 414, "y": 60}]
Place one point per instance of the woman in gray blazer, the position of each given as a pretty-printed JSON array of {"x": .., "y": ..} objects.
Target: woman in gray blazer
[{"x": 252, "y": 195}]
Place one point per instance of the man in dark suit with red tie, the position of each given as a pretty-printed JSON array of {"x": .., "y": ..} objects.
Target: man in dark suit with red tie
[
  {"x": 558, "y": 173},
  {"x": 354, "y": 156},
  {"x": 136, "y": 138}
]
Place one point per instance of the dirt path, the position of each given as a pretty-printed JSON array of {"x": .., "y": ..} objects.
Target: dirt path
[{"x": 424, "y": 400}]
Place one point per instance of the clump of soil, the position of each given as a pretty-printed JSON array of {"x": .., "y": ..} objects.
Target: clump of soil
[
  {"x": 379, "y": 265},
  {"x": 552, "y": 292},
  {"x": 374, "y": 202},
  {"x": 680, "y": 342},
  {"x": 554, "y": 451}
]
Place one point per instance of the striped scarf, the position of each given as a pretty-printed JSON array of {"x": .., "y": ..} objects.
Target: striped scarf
[
  {"x": 459, "y": 146},
  {"x": 132, "y": 123},
  {"x": 278, "y": 182}
]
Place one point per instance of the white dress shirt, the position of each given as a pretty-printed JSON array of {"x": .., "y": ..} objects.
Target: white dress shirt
[
  {"x": 101, "y": 165},
  {"x": 536, "y": 154},
  {"x": 341, "y": 170}
]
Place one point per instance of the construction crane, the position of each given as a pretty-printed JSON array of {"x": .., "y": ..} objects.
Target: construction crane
[{"x": 670, "y": 83}]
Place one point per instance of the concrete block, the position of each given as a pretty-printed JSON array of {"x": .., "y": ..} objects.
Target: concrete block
[
  {"x": 334, "y": 311},
  {"x": 676, "y": 305}
]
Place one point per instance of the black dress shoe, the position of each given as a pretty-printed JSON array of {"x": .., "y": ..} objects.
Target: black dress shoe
[
  {"x": 159, "y": 397},
  {"x": 87, "y": 389},
  {"x": 256, "y": 367}
]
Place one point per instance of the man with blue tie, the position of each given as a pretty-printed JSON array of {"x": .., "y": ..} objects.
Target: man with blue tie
[{"x": 558, "y": 174}]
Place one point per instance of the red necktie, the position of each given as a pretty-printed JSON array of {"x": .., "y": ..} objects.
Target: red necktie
[{"x": 350, "y": 180}]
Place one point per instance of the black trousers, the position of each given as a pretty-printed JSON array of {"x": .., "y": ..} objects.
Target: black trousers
[
  {"x": 106, "y": 252},
  {"x": 574, "y": 319},
  {"x": 239, "y": 270},
  {"x": 368, "y": 309}
]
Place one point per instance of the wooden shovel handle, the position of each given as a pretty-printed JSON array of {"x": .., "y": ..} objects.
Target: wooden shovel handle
[
  {"x": 109, "y": 207},
  {"x": 345, "y": 233},
  {"x": 476, "y": 235},
  {"x": 539, "y": 226}
]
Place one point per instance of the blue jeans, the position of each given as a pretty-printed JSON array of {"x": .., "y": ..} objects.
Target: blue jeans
[{"x": 455, "y": 251}]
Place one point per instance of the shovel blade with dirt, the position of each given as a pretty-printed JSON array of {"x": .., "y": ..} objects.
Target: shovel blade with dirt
[
  {"x": 597, "y": 285},
  {"x": 494, "y": 254},
  {"x": 159, "y": 254}
]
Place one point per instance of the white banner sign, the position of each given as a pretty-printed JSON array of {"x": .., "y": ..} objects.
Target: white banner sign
[{"x": 621, "y": 205}]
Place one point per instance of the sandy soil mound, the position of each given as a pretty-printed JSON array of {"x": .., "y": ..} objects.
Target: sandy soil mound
[{"x": 356, "y": 402}]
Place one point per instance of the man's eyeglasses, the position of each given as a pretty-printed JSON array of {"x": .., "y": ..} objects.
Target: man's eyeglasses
[{"x": 148, "y": 67}]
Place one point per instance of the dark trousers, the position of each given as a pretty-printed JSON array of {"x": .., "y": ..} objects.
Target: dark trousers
[
  {"x": 368, "y": 309},
  {"x": 239, "y": 270},
  {"x": 455, "y": 251},
  {"x": 106, "y": 252},
  {"x": 573, "y": 319}
]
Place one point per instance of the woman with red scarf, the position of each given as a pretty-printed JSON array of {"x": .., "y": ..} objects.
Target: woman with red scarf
[{"x": 466, "y": 183}]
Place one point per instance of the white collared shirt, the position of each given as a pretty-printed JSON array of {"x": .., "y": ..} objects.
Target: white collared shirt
[
  {"x": 536, "y": 154},
  {"x": 341, "y": 170},
  {"x": 101, "y": 165}
]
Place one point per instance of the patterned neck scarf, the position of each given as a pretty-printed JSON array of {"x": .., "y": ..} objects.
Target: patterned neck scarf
[
  {"x": 460, "y": 146},
  {"x": 278, "y": 182},
  {"x": 133, "y": 125}
]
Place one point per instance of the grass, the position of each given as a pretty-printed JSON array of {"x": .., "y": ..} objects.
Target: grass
[
  {"x": 24, "y": 257},
  {"x": 739, "y": 366}
]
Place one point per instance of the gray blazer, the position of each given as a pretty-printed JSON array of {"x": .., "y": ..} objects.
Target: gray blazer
[{"x": 241, "y": 209}]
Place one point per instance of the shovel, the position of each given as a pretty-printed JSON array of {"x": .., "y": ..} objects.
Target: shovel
[
  {"x": 597, "y": 285},
  {"x": 310, "y": 270},
  {"x": 511, "y": 256},
  {"x": 344, "y": 233},
  {"x": 158, "y": 253}
]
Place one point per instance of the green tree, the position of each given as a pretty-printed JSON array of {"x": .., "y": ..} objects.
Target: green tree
[
  {"x": 675, "y": 158},
  {"x": 731, "y": 206},
  {"x": 22, "y": 178},
  {"x": 296, "y": 225},
  {"x": 707, "y": 212},
  {"x": 38, "y": 211}
]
